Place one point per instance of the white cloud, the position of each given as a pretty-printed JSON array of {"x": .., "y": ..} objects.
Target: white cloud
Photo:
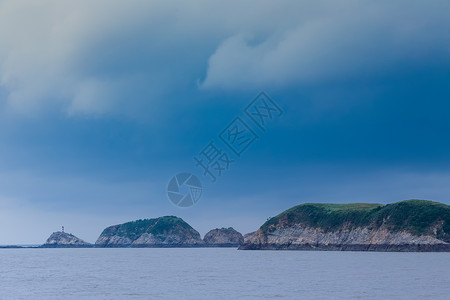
[
  {"x": 345, "y": 40},
  {"x": 83, "y": 56},
  {"x": 113, "y": 57}
]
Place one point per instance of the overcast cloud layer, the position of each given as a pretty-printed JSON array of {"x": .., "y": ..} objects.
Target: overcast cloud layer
[
  {"x": 103, "y": 56},
  {"x": 101, "y": 102}
]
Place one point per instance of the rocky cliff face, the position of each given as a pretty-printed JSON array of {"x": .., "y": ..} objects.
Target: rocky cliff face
[
  {"x": 65, "y": 240},
  {"x": 247, "y": 236},
  {"x": 224, "y": 237},
  {"x": 403, "y": 226},
  {"x": 167, "y": 231}
]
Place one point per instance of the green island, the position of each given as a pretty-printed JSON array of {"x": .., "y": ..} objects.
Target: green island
[
  {"x": 411, "y": 225},
  {"x": 415, "y": 216}
]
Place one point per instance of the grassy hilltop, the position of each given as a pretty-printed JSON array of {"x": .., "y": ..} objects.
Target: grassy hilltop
[
  {"x": 163, "y": 231},
  {"x": 157, "y": 226},
  {"x": 415, "y": 216}
]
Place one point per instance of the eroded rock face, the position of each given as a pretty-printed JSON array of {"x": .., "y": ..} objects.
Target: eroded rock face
[
  {"x": 224, "y": 237},
  {"x": 305, "y": 238},
  {"x": 247, "y": 236},
  {"x": 167, "y": 231},
  {"x": 65, "y": 240},
  {"x": 413, "y": 225}
]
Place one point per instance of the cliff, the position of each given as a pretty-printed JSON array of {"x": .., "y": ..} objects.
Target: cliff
[
  {"x": 248, "y": 235},
  {"x": 413, "y": 225},
  {"x": 166, "y": 231},
  {"x": 224, "y": 237},
  {"x": 65, "y": 240}
]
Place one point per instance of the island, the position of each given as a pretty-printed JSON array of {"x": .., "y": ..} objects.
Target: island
[
  {"x": 168, "y": 231},
  {"x": 62, "y": 239},
  {"x": 412, "y": 225},
  {"x": 223, "y": 237}
]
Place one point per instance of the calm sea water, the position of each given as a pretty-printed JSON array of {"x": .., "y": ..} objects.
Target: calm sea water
[{"x": 215, "y": 273}]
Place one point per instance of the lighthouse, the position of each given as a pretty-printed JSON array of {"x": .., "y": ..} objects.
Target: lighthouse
[{"x": 62, "y": 229}]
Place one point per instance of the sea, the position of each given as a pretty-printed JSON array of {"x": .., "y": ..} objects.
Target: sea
[{"x": 220, "y": 273}]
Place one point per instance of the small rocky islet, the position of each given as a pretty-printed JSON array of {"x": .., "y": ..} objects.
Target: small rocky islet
[
  {"x": 61, "y": 239},
  {"x": 412, "y": 225},
  {"x": 223, "y": 237},
  {"x": 168, "y": 231}
]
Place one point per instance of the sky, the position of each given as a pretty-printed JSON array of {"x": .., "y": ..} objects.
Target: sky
[{"x": 103, "y": 102}]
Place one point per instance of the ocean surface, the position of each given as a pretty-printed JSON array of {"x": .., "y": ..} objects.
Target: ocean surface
[{"x": 219, "y": 273}]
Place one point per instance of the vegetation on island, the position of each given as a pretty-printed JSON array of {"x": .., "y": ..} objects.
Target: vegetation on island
[
  {"x": 415, "y": 216},
  {"x": 158, "y": 226}
]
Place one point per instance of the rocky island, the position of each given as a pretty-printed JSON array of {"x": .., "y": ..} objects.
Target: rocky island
[
  {"x": 412, "y": 225},
  {"x": 169, "y": 231},
  {"x": 224, "y": 237},
  {"x": 61, "y": 239}
]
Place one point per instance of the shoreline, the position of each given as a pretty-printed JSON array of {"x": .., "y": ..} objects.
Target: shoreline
[{"x": 442, "y": 248}]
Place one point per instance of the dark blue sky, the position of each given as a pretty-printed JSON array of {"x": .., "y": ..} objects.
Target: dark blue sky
[{"x": 101, "y": 104}]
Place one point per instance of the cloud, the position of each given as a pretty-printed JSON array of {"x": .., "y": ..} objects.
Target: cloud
[
  {"x": 344, "y": 40},
  {"x": 96, "y": 57},
  {"x": 111, "y": 57}
]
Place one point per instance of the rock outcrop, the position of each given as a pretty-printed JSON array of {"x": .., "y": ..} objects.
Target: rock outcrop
[
  {"x": 166, "y": 231},
  {"x": 413, "y": 225},
  {"x": 247, "y": 236},
  {"x": 65, "y": 240},
  {"x": 224, "y": 237}
]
